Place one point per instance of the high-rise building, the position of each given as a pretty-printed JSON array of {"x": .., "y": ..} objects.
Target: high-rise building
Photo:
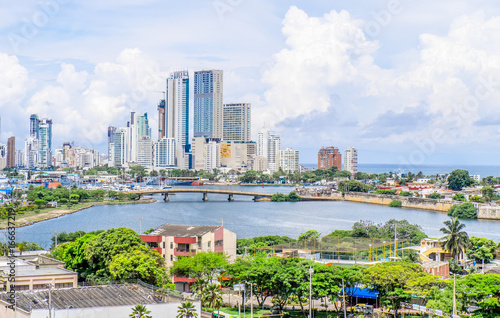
[
  {"x": 45, "y": 142},
  {"x": 289, "y": 160},
  {"x": 268, "y": 146},
  {"x": 11, "y": 152},
  {"x": 138, "y": 128},
  {"x": 177, "y": 115},
  {"x": 208, "y": 109},
  {"x": 351, "y": 160},
  {"x": 145, "y": 152},
  {"x": 34, "y": 126},
  {"x": 164, "y": 153},
  {"x": 111, "y": 146},
  {"x": 120, "y": 138},
  {"x": 237, "y": 122},
  {"x": 329, "y": 157},
  {"x": 162, "y": 120}
]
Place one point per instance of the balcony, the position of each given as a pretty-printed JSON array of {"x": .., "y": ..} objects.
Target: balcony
[
  {"x": 179, "y": 252},
  {"x": 184, "y": 240},
  {"x": 158, "y": 249},
  {"x": 150, "y": 239}
]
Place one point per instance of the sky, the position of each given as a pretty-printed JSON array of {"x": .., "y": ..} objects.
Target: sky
[{"x": 406, "y": 82}]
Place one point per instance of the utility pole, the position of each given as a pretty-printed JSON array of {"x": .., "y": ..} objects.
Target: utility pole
[
  {"x": 395, "y": 240},
  {"x": 251, "y": 300},
  {"x": 454, "y": 299},
  {"x": 50, "y": 300},
  {"x": 343, "y": 296},
  {"x": 56, "y": 239}
]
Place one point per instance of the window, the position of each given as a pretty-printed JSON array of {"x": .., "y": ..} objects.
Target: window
[
  {"x": 64, "y": 285},
  {"x": 22, "y": 287},
  {"x": 40, "y": 286},
  {"x": 218, "y": 243},
  {"x": 171, "y": 245},
  {"x": 209, "y": 243},
  {"x": 171, "y": 258},
  {"x": 163, "y": 245}
]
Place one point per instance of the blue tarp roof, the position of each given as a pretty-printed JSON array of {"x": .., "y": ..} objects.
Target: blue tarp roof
[{"x": 363, "y": 292}]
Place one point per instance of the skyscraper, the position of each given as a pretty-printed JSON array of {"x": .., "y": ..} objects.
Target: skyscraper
[
  {"x": 45, "y": 142},
  {"x": 34, "y": 126},
  {"x": 289, "y": 160},
  {"x": 329, "y": 157},
  {"x": 237, "y": 122},
  {"x": 161, "y": 119},
  {"x": 111, "y": 145},
  {"x": 120, "y": 143},
  {"x": 138, "y": 129},
  {"x": 177, "y": 115},
  {"x": 11, "y": 152},
  {"x": 208, "y": 109},
  {"x": 351, "y": 160}
]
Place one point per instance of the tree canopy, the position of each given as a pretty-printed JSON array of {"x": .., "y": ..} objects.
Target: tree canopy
[{"x": 459, "y": 179}]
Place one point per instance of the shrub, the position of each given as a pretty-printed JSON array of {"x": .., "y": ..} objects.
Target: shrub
[
  {"x": 133, "y": 196},
  {"x": 293, "y": 197},
  {"x": 459, "y": 197},
  {"x": 475, "y": 198},
  {"x": 74, "y": 197},
  {"x": 62, "y": 201},
  {"x": 278, "y": 197},
  {"x": 434, "y": 195},
  {"x": 74, "y": 201},
  {"x": 395, "y": 204},
  {"x": 386, "y": 191},
  {"x": 463, "y": 211},
  {"x": 40, "y": 202},
  {"x": 406, "y": 193}
]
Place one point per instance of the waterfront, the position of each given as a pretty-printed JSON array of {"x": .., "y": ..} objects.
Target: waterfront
[{"x": 245, "y": 217}]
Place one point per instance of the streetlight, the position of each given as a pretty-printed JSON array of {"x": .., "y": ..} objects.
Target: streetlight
[
  {"x": 311, "y": 271},
  {"x": 370, "y": 253}
]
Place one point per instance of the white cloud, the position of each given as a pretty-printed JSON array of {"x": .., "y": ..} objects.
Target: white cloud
[{"x": 13, "y": 81}]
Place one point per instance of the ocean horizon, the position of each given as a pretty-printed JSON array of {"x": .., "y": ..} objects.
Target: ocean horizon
[{"x": 428, "y": 170}]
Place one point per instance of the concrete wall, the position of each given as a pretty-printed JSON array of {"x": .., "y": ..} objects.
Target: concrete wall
[
  {"x": 489, "y": 212},
  {"x": 407, "y": 202}
]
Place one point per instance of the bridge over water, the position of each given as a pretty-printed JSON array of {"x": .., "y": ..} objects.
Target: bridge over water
[{"x": 231, "y": 193}]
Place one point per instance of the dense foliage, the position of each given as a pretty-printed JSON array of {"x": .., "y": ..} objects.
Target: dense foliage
[
  {"x": 465, "y": 210},
  {"x": 459, "y": 179},
  {"x": 291, "y": 197},
  {"x": 395, "y": 204}
]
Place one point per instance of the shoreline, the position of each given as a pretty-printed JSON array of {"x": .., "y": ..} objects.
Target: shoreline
[{"x": 54, "y": 213}]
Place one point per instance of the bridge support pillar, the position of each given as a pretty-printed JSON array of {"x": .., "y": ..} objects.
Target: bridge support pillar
[
  {"x": 139, "y": 197},
  {"x": 205, "y": 196},
  {"x": 166, "y": 198},
  {"x": 230, "y": 199}
]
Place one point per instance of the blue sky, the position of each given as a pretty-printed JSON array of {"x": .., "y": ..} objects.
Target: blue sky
[{"x": 403, "y": 81}]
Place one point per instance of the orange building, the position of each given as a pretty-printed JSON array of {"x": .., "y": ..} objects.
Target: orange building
[{"x": 329, "y": 157}]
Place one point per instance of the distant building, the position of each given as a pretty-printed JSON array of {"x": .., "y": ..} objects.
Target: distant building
[
  {"x": 11, "y": 152},
  {"x": 145, "y": 152},
  {"x": 268, "y": 145},
  {"x": 172, "y": 241},
  {"x": 177, "y": 116},
  {"x": 45, "y": 142},
  {"x": 237, "y": 122},
  {"x": 121, "y": 147},
  {"x": 208, "y": 109},
  {"x": 36, "y": 272},
  {"x": 289, "y": 160},
  {"x": 164, "y": 153},
  {"x": 329, "y": 157},
  {"x": 111, "y": 146},
  {"x": 351, "y": 160},
  {"x": 162, "y": 120}
]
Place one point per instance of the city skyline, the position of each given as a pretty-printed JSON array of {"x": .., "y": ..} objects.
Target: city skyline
[{"x": 403, "y": 82}]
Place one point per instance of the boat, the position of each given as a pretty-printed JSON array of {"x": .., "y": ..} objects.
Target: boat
[{"x": 196, "y": 183}]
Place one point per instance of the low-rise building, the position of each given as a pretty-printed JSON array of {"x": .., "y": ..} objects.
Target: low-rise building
[
  {"x": 107, "y": 301},
  {"x": 36, "y": 272},
  {"x": 172, "y": 241}
]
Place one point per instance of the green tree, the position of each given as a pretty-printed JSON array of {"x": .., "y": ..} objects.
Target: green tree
[
  {"x": 456, "y": 240},
  {"x": 201, "y": 265},
  {"x": 73, "y": 254},
  {"x": 310, "y": 234},
  {"x": 352, "y": 186},
  {"x": 481, "y": 249},
  {"x": 395, "y": 204},
  {"x": 465, "y": 210},
  {"x": 459, "y": 179},
  {"x": 488, "y": 193},
  {"x": 186, "y": 310},
  {"x": 482, "y": 290},
  {"x": 459, "y": 197},
  {"x": 212, "y": 296},
  {"x": 434, "y": 195},
  {"x": 475, "y": 198},
  {"x": 141, "y": 263},
  {"x": 140, "y": 311},
  {"x": 100, "y": 251}
]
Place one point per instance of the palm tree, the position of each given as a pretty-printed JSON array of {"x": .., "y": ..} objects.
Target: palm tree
[
  {"x": 212, "y": 297},
  {"x": 186, "y": 310},
  {"x": 455, "y": 240},
  {"x": 140, "y": 311}
]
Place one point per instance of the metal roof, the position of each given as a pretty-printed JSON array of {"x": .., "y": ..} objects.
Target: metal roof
[
  {"x": 183, "y": 230},
  {"x": 85, "y": 297}
]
